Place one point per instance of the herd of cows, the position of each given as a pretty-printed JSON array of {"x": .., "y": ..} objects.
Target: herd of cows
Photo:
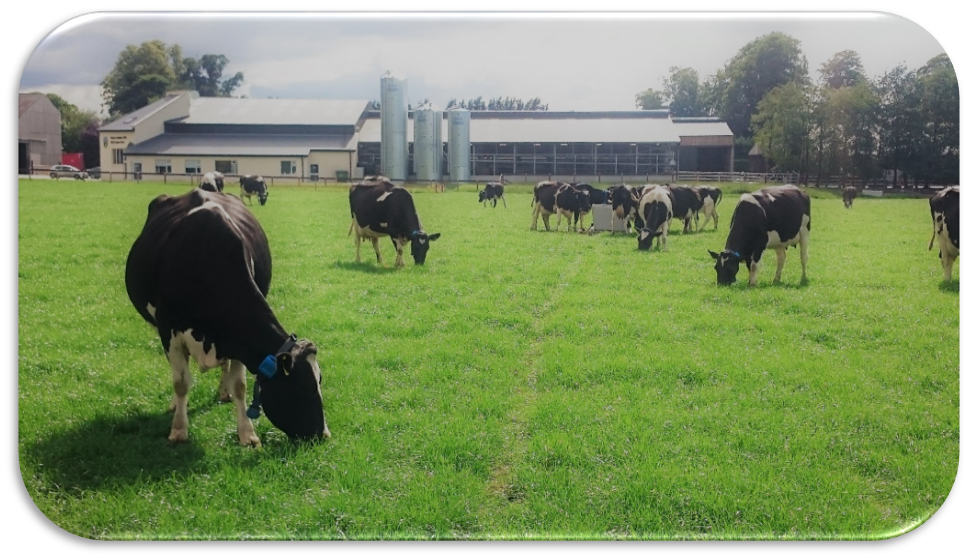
[{"x": 207, "y": 299}]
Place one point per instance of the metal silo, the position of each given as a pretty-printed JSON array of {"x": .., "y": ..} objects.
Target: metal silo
[
  {"x": 393, "y": 127},
  {"x": 459, "y": 144},
  {"x": 428, "y": 145}
]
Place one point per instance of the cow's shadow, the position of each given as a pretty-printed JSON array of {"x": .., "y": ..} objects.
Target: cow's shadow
[
  {"x": 366, "y": 267},
  {"x": 949, "y": 286}
]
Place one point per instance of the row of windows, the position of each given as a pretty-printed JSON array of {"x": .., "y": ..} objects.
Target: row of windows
[{"x": 194, "y": 166}]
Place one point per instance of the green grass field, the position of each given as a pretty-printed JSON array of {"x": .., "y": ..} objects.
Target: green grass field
[{"x": 520, "y": 385}]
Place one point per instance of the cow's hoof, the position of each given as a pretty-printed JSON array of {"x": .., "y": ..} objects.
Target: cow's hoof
[
  {"x": 250, "y": 440},
  {"x": 178, "y": 436},
  {"x": 224, "y": 397}
]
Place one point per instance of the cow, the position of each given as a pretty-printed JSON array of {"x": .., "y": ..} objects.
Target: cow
[
  {"x": 655, "y": 207},
  {"x": 595, "y": 196},
  {"x": 253, "y": 186},
  {"x": 774, "y": 217},
  {"x": 849, "y": 194},
  {"x": 492, "y": 191},
  {"x": 944, "y": 221},
  {"x": 212, "y": 182},
  {"x": 564, "y": 200},
  {"x": 710, "y": 196},
  {"x": 624, "y": 203},
  {"x": 686, "y": 204},
  {"x": 380, "y": 208},
  {"x": 207, "y": 300}
]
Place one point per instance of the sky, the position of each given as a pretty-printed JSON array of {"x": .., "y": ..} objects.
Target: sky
[{"x": 570, "y": 61}]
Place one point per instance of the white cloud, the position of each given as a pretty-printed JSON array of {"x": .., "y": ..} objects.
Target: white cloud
[{"x": 85, "y": 97}]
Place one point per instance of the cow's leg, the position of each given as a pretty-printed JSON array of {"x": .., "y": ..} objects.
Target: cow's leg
[
  {"x": 665, "y": 237},
  {"x": 804, "y": 242},
  {"x": 558, "y": 225},
  {"x": 715, "y": 219},
  {"x": 224, "y": 386},
  {"x": 358, "y": 238},
  {"x": 547, "y": 221},
  {"x": 399, "y": 246},
  {"x": 534, "y": 217},
  {"x": 504, "y": 201},
  {"x": 235, "y": 381},
  {"x": 780, "y": 260},
  {"x": 755, "y": 268},
  {"x": 181, "y": 379},
  {"x": 376, "y": 248}
]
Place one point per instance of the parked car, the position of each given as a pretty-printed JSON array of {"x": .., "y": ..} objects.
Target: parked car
[
  {"x": 94, "y": 172},
  {"x": 60, "y": 171}
]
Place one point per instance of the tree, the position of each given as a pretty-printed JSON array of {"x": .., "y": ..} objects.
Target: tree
[
  {"x": 762, "y": 64},
  {"x": 939, "y": 112},
  {"x": 897, "y": 123},
  {"x": 650, "y": 99},
  {"x": 681, "y": 88},
  {"x": 781, "y": 126},
  {"x": 498, "y": 103},
  {"x": 143, "y": 74},
  {"x": 74, "y": 122},
  {"x": 842, "y": 70}
]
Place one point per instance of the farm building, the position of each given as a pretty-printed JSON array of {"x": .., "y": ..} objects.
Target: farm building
[
  {"x": 38, "y": 132},
  {"x": 310, "y": 139}
]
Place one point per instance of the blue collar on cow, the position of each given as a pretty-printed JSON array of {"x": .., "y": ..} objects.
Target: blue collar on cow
[
  {"x": 414, "y": 234},
  {"x": 268, "y": 366},
  {"x": 733, "y": 252},
  {"x": 268, "y": 369}
]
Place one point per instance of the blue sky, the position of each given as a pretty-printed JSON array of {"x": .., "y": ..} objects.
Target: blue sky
[{"x": 572, "y": 62}]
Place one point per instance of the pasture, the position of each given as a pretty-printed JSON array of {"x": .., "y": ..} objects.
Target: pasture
[{"x": 519, "y": 385}]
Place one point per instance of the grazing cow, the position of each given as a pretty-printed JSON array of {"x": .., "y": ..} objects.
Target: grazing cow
[
  {"x": 254, "y": 186},
  {"x": 380, "y": 208},
  {"x": 207, "y": 300},
  {"x": 595, "y": 196},
  {"x": 561, "y": 198},
  {"x": 849, "y": 194},
  {"x": 212, "y": 182},
  {"x": 774, "y": 217},
  {"x": 944, "y": 217},
  {"x": 625, "y": 200},
  {"x": 686, "y": 204},
  {"x": 656, "y": 208},
  {"x": 492, "y": 191},
  {"x": 710, "y": 196}
]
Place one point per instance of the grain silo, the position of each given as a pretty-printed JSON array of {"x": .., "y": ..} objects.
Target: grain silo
[
  {"x": 393, "y": 127},
  {"x": 459, "y": 144},
  {"x": 428, "y": 143}
]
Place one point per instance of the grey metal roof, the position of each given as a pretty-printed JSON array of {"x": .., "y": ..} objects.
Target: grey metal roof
[
  {"x": 701, "y": 128},
  {"x": 128, "y": 121},
  {"x": 220, "y": 110},
  {"x": 239, "y": 145},
  {"x": 545, "y": 129}
]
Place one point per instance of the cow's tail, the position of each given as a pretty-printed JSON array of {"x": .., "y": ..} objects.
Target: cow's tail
[
  {"x": 933, "y": 233},
  {"x": 351, "y": 229}
]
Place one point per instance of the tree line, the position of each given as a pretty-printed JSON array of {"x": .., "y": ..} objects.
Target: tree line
[{"x": 902, "y": 125}]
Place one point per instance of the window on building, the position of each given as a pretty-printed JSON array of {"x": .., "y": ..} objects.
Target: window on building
[
  {"x": 227, "y": 167},
  {"x": 117, "y": 156},
  {"x": 193, "y": 166},
  {"x": 288, "y": 167},
  {"x": 163, "y": 166}
]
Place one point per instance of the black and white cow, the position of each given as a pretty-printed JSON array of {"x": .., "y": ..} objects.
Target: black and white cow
[
  {"x": 710, "y": 196},
  {"x": 492, "y": 191},
  {"x": 944, "y": 217},
  {"x": 595, "y": 196},
  {"x": 207, "y": 301},
  {"x": 380, "y": 208},
  {"x": 656, "y": 208},
  {"x": 849, "y": 194},
  {"x": 212, "y": 182},
  {"x": 254, "y": 186},
  {"x": 774, "y": 217},
  {"x": 623, "y": 204},
  {"x": 552, "y": 197},
  {"x": 686, "y": 204}
]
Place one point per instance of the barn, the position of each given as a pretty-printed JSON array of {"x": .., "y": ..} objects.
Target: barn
[
  {"x": 310, "y": 139},
  {"x": 38, "y": 132}
]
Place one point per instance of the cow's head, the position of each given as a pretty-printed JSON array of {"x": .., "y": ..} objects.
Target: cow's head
[
  {"x": 263, "y": 196},
  {"x": 646, "y": 236},
  {"x": 727, "y": 266},
  {"x": 292, "y": 398},
  {"x": 584, "y": 202},
  {"x": 420, "y": 244},
  {"x": 482, "y": 196},
  {"x": 219, "y": 181}
]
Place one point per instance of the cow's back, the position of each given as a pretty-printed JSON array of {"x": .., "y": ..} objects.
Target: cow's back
[
  {"x": 544, "y": 193},
  {"x": 784, "y": 208},
  {"x": 191, "y": 246}
]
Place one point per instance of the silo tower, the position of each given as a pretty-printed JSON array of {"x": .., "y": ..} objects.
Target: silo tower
[{"x": 393, "y": 127}]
